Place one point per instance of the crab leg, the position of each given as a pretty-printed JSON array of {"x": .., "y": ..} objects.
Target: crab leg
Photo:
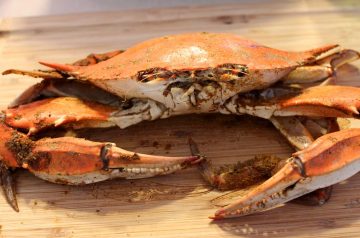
[
  {"x": 294, "y": 131},
  {"x": 308, "y": 74},
  {"x": 314, "y": 101},
  {"x": 52, "y": 112},
  {"x": 332, "y": 158},
  {"x": 52, "y": 74},
  {"x": 34, "y": 74},
  {"x": 321, "y": 101},
  {"x": 78, "y": 161},
  {"x": 69, "y": 160},
  {"x": 67, "y": 88},
  {"x": 314, "y": 73}
]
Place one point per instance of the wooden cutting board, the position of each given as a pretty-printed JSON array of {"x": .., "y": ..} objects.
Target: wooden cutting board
[{"x": 176, "y": 205}]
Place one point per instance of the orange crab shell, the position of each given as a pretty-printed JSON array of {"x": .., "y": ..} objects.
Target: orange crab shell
[
  {"x": 195, "y": 51},
  {"x": 240, "y": 65}
]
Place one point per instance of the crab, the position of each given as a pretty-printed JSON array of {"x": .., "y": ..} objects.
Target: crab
[{"x": 184, "y": 74}]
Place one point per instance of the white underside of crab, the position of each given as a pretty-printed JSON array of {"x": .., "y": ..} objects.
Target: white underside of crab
[{"x": 151, "y": 103}]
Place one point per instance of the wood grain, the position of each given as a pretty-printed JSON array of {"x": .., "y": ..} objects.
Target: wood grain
[{"x": 176, "y": 205}]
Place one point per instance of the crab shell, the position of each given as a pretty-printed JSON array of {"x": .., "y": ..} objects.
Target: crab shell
[{"x": 237, "y": 65}]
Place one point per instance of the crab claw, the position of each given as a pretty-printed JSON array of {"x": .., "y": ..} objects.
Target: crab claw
[
  {"x": 318, "y": 101},
  {"x": 69, "y": 160},
  {"x": 332, "y": 158},
  {"x": 72, "y": 160}
]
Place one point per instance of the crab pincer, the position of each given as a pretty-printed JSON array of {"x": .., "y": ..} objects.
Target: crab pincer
[{"x": 304, "y": 172}]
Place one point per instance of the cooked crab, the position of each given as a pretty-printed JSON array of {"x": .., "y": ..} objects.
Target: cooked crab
[{"x": 182, "y": 74}]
